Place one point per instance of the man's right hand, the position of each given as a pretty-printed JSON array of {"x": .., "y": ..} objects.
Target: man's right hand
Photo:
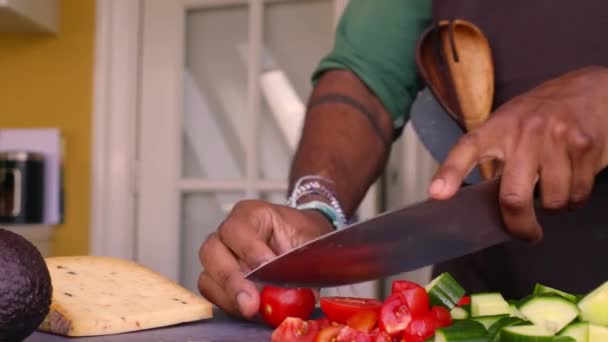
[{"x": 253, "y": 233}]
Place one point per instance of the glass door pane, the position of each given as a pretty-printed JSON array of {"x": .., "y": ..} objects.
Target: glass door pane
[
  {"x": 296, "y": 36},
  {"x": 215, "y": 93}
]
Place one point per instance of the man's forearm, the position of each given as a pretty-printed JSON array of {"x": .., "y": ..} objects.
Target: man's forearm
[{"x": 346, "y": 137}]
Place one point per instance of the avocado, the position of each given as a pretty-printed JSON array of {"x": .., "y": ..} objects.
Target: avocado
[{"x": 25, "y": 287}]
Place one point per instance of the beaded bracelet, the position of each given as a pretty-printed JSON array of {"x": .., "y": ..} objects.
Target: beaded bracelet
[{"x": 311, "y": 185}]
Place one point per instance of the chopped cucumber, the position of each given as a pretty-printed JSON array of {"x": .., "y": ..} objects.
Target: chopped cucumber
[
  {"x": 459, "y": 313},
  {"x": 462, "y": 331},
  {"x": 540, "y": 289},
  {"x": 444, "y": 291},
  {"x": 578, "y": 331},
  {"x": 488, "y": 321},
  {"x": 514, "y": 312},
  {"x": 550, "y": 312},
  {"x": 597, "y": 333},
  {"x": 494, "y": 330},
  {"x": 594, "y": 306},
  {"x": 525, "y": 333},
  {"x": 488, "y": 304}
]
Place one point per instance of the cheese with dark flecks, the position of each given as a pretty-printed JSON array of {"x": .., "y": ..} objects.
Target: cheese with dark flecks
[{"x": 101, "y": 296}]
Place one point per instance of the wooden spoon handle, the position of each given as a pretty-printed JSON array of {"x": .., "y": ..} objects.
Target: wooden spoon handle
[{"x": 470, "y": 64}]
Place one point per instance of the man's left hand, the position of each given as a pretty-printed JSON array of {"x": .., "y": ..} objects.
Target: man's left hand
[{"x": 555, "y": 135}]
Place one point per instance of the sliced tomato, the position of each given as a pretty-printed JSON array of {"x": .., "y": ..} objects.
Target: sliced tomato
[
  {"x": 442, "y": 316},
  {"x": 322, "y": 322},
  {"x": 340, "y": 309},
  {"x": 329, "y": 334},
  {"x": 293, "y": 329},
  {"x": 417, "y": 301},
  {"x": 383, "y": 336},
  {"x": 363, "y": 321},
  {"x": 395, "y": 315},
  {"x": 423, "y": 327},
  {"x": 348, "y": 334},
  {"x": 411, "y": 338},
  {"x": 399, "y": 285},
  {"x": 465, "y": 300}
]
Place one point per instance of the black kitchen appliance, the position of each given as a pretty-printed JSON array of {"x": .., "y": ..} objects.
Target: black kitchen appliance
[{"x": 21, "y": 187}]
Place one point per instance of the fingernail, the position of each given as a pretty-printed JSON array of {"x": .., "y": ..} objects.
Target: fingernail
[
  {"x": 437, "y": 186},
  {"x": 243, "y": 299}
]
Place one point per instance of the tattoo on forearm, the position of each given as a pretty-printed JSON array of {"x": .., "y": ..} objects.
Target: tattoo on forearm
[{"x": 345, "y": 99}]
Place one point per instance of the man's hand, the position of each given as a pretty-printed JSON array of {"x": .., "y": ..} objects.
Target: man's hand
[
  {"x": 253, "y": 233},
  {"x": 555, "y": 134}
]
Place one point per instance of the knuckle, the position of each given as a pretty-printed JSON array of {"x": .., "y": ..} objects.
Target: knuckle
[
  {"x": 581, "y": 141},
  {"x": 227, "y": 279},
  {"x": 245, "y": 205},
  {"x": 580, "y": 195},
  {"x": 534, "y": 124},
  {"x": 559, "y": 129},
  {"x": 206, "y": 246},
  {"x": 554, "y": 202},
  {"x": 470, "y": 140},
  {"x": 513, "y": 201}
]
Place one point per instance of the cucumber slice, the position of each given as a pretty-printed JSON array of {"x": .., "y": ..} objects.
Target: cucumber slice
[
  {"x": 551, "y": 312},
  {"x": 444, "y": 291},
  {"x": 462, "y": 331},
  {"x": 597, "y": 333},
  {"x": 540, "y": 289},
  {"x": 594, "y": 306},
  {"x": 494, "y": 330},
  {"x": 488, "y": 304},
  {"x": 525, "y": 333},
  {"x": 459, "y": 313},
  {"x": 514, "y": 312},
  {"x": 578, "y": 331},
  {"x": 488, "y": 321}
]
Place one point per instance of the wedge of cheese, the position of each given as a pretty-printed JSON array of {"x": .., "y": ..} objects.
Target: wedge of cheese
[{"x": 103, "y": 296}]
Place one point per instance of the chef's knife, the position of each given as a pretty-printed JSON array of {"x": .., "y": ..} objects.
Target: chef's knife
[
  {"x": 410, "y": 238},
  {"x": 393, "y": 242}
]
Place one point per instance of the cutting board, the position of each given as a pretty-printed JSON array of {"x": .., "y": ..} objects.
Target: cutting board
[{"x": 221, "y": 328}]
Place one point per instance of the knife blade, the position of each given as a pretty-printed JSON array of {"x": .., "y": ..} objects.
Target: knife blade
[
  {"x": 415, "y": 236},
  {"x": 397, "y": 241}
]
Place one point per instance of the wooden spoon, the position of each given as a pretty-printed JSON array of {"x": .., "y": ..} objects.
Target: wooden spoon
[{"x": 456, "y": 62}]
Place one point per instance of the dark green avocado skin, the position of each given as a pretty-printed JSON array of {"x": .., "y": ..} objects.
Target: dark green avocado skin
[{"x": 25, "y": 287}]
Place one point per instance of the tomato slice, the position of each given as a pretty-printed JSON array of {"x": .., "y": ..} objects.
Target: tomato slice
[
  {"x": 340, "y": 309},
  {"x": 400, "y": 285},
  {"x": 329, "y": 334},
  {"x": 395, "y": 315},
  {"x": 322, "y": 322},
  {"x": 417, "y": 301},
  {"x": 465, "y": 300},
  {"x": 383, "y": 336},
  {"x": 363, "y": 321},
  {"x": 423, "y": 327},
  {"x": 442, "y": 316},
  {"x": 293, "y": 329},
  {"x": 348, "y": 334},
  {"x": 411, "y": 338}
]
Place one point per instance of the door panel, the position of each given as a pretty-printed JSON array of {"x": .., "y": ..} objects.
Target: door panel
[{"x": 215, "y": 93}]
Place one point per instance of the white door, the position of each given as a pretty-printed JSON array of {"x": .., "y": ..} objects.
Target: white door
[{"x": 223, "y": 86}]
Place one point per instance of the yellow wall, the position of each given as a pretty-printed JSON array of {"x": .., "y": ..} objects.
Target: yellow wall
[{"x": 48, "y": 82}]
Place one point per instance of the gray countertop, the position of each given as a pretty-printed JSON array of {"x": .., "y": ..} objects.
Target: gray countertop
[{"x": 220, "y": 328}]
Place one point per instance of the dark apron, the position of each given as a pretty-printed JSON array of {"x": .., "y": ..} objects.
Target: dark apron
[{"x": 533, "y": 41}]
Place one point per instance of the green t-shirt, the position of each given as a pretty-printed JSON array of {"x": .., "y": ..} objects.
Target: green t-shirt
[{"x": 376, "y": 39}]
